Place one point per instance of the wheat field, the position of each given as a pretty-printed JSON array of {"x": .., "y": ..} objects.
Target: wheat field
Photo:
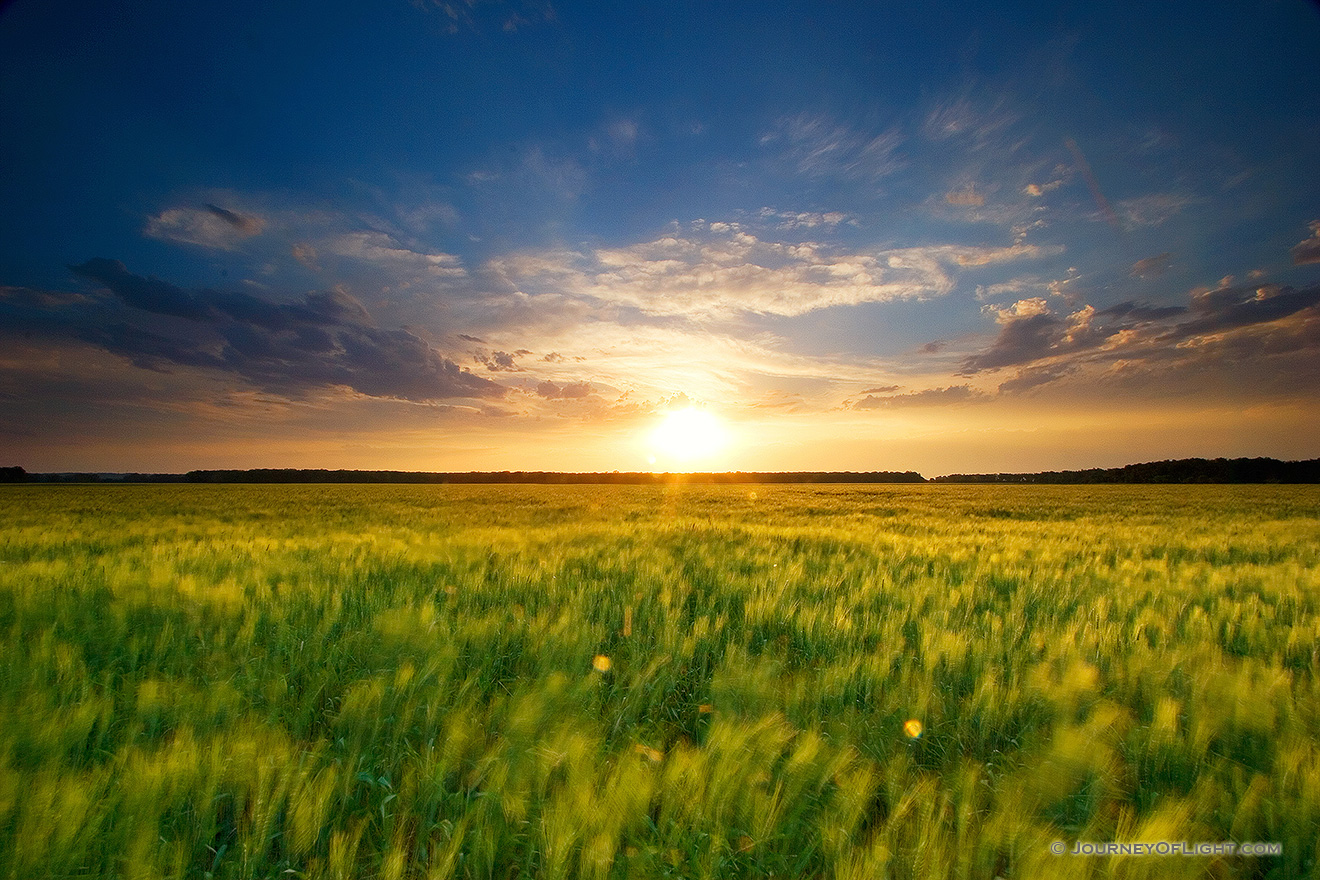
[{"x": 683, "y": 681}]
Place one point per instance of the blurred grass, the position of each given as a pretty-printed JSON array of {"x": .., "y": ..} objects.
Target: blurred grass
[{"x": 405, "y": 681}]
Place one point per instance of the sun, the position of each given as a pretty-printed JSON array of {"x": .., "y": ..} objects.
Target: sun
[{"x": 689, "y": 434}]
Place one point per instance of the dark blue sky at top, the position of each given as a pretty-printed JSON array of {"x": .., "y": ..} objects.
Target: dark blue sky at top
[{"x": 113, "y": 110}]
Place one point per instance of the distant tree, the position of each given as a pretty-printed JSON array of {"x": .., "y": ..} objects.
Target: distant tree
[
  {"x": 13, "y": 475},
  {"x": 1187, "y": 470}
]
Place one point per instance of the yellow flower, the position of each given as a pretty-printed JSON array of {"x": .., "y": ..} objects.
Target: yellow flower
[
  {"x": 600, "y": 663},
  {"x": 912, "y": 727},
  {"x": 655, "y": 756}
]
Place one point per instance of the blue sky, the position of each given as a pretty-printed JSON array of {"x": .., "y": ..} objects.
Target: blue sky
[{"x": 495, "y": 235}]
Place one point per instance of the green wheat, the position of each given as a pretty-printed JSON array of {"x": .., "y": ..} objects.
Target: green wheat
[{"x": 683, "y": 681}]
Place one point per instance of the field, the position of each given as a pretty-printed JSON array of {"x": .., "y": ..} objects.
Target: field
[{"x": 608, "y": 682}]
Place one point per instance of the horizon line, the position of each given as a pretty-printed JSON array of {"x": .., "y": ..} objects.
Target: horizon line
[{"x": 1211, "y": 470}]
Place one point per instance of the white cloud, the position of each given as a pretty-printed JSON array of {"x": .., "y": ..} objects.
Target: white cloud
[
  {"x": 1012, "y": 287},
  {"x": 1023, "y": 308},
  {"x": 646, "y": 360},
  {"x": 385, "y": 251},
  {"x": 984, "y": 123},
  {"x": 820, "y": 147},
  {"x": 803, "y": 219},
  {"x": 209, "y": 226},
  {"x": 718, "y": 270},
  {"x": 1151, "y": 210}
]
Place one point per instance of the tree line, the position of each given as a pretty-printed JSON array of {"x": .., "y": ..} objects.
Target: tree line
[{"x": 1186, "y": 470}]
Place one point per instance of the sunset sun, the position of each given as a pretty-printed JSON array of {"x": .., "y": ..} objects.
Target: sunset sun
[{"x": 687, "y": 435}]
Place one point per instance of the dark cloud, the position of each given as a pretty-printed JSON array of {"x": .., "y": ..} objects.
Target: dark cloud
[
  {"x": 1033, "y": 378},
  {"x": 243, "y": 223},
  {"x": 934, "y": 347},
  {"x": 927, "y": 397},
  {"x": 1023, "y": 339},
  {"x": 326, "y": 339},
  {"x": 161, "y": 297},
  {"x": 27, "y": 297},
  {"x": 147, "y": 294},
  {"x": 570, "y": 391},
  {"x": 1308, "y": 251},
  {"x": 1228, "y": 325},
  {"x": 502, "y": 361},
  {"x": 1136, "y": 312},
  {"x": 475, "y": 339},
  {"x": 1151, "y": 266},
  {"x": 1220, "y": 310},
  {"x": 883, "y": 389},
  {"x": 150, "y": 351}
]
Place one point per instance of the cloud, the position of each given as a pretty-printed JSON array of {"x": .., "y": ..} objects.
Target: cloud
[
  {"x": 1131, "y": 311},
  {"x": 485, "y": 16},
  {"x": 1027, "y": 335},
  {"x": 30, "y": 298},
  {"x": 780, "y": 401},
  {"x": 501, "y": 361},
  {"x": 1023, "y": 308},
  {"x": 1017, "y": 287},
  {"x": 817, "y": 146},
  {"x": 1151, "y": 266},
  {"x": 567, "y": 391},
  {"x": 1027, "y": 379},
  {"x": 1036, "y": 190},
  {"x": 1308, "y": 251},
  {"x": 383, "y": 250},
  {"x": 1215, "y": 311},
  {"x": 928, "y": 397},
  {"x": 647, "y": 357},
  {"x": 966, "y": 196},
  {"x": 718, "y": 270},
  {"x": 1241, "y": 325},
  {"x": 534, "y": 170},
  {"x": 324, "y": 340},
  {"x": 305, "y": 254},
  {"x": 147, "y": 294},
  {"x": 1150, "y": 210},
  {"x": 209, "y": 226},
  {"x": 804, "y": 219},
  {"x": 983, "y": 123},
  {"x": 617, "y": 138},
  {"x": 244, "y": 224}
]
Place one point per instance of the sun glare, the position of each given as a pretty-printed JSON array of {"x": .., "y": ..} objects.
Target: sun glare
[{"x": 689, "y": 434}]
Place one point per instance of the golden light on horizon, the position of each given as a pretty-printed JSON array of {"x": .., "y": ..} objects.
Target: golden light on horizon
[{"x": 688, "y": 435}]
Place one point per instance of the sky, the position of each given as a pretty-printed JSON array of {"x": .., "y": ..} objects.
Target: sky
[{"x": 454, "y": 235}]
